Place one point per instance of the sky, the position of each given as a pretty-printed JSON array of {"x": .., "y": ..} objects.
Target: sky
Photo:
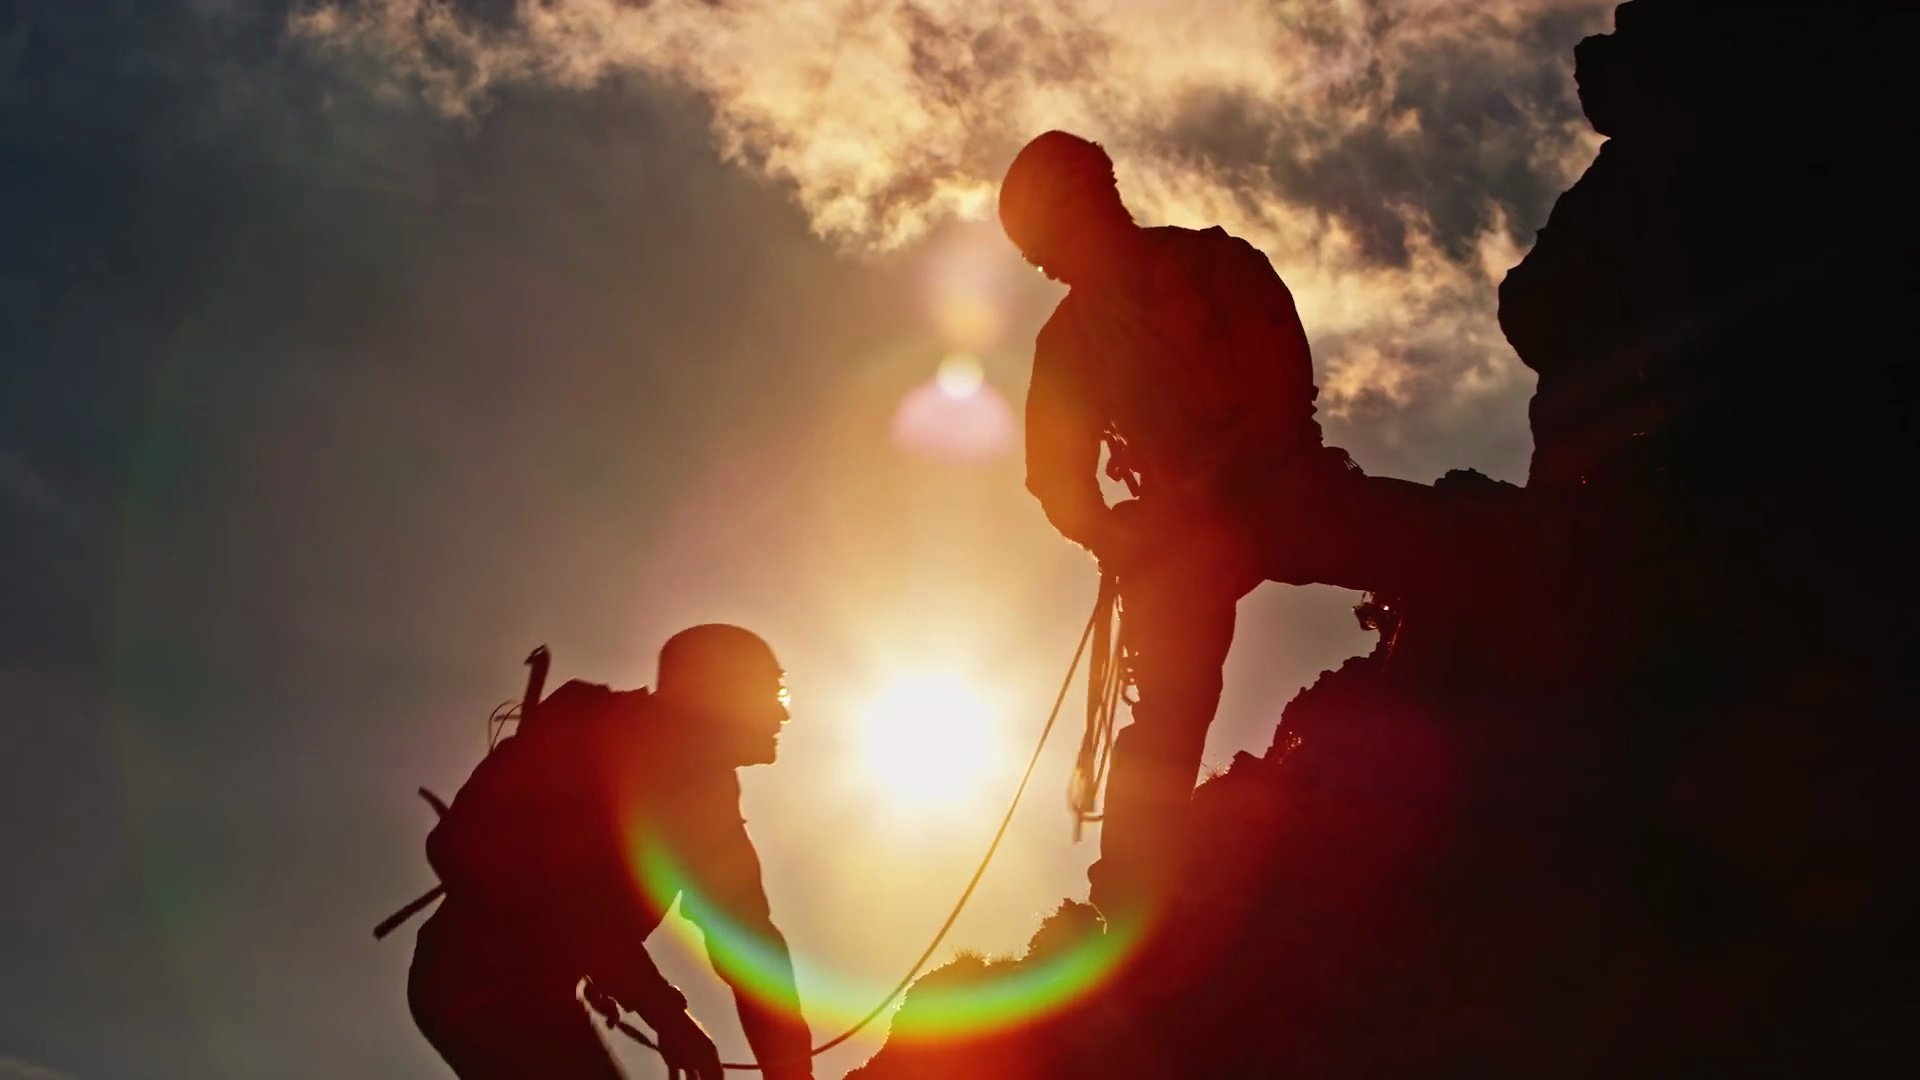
[{"x": 348, "y": 351}]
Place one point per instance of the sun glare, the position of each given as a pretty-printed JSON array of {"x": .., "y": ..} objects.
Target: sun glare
[
  {"x": 928, "y": 739},
  {"x": 960, "y": 376}
]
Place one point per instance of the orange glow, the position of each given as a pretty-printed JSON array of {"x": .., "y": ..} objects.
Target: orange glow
[
  {"x": 966, "y": 284},
  {"x": 968, "y": 317},
  {"x": 929, "y": 739},
  {"x": 957, "y": 415}
]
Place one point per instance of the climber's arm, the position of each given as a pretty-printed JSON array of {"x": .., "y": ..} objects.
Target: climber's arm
[
  {"x": 1063, "y": 435},
  {"x": 727, "y": 900},
  {"x": 631, "y": 981}
]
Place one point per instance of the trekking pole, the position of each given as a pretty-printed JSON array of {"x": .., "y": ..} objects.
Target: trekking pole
[{"x": 398, "y": 919}]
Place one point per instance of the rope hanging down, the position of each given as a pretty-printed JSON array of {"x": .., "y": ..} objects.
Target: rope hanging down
[
  {"x": 1102, "y": 618},
  {"x": 1108, "y": 674},
  {"x": 1107, "y": 679}
]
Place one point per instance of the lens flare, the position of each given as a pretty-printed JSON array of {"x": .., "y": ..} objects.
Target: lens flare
[
  {"x": 966, "y": 287},
  {"x": 956, "y": 416},
  {"x": 1000, "y": 997},
  {"x": 968, "y": 316},
  {"x": 1006, "y": 994},
  {"x": 960, "y": 376}
]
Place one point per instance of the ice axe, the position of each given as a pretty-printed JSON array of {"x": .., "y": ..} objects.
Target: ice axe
[{"x": 394, "y": 921}]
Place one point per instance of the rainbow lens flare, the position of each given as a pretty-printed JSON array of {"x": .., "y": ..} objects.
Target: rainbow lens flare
[{"x": 1001, "y": 996}]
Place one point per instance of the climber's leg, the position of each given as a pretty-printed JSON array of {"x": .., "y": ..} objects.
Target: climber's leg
[
  {"x": 1179, "y": 624},
  {"x": 1323, "y": 521},
  {"x": 491, "y": 1021}
]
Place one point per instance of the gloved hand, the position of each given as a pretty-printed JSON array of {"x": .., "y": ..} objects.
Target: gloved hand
[
  {"x": 687, "y": 1049},
  {"x": 603, "y": 1003}
]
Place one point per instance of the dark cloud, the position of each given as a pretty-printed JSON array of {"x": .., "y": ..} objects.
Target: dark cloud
[
  {"x": 1381, "y": 154},
  {"x": 1468, "y": 127}
]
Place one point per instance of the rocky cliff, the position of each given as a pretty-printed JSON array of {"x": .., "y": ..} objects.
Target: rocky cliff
[{"x": 1631, "y": 793}]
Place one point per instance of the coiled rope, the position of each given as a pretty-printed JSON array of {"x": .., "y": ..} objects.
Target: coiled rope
[{"x": 1107, "y": 679}]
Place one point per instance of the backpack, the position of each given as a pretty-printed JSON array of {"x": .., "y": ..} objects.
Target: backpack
[
  {"x": 1206, "y": 366},
  {"x": 572, "y": 699}
]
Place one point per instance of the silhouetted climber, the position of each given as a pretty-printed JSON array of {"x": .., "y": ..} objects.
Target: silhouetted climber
[
  {"x": 1182, "y": 351},
  {"x": 562, "y": 852}
]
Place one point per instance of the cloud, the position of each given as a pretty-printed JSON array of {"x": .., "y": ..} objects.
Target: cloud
[{"x": 1390, "y": 157}]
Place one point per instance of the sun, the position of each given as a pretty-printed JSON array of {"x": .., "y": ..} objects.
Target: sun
[{"x": 928, "y": 739}]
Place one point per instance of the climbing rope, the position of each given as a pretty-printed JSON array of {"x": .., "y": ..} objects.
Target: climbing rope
[
  {"x": 1108, "y": 674},
  {"x": 1107, "y": 679},
  {"x": 1100, "y": 622}
]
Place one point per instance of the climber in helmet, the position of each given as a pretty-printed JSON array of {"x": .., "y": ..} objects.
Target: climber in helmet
[
  {"x": 565, "y": 848},
  {"x": 1180, "y": 351}
]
